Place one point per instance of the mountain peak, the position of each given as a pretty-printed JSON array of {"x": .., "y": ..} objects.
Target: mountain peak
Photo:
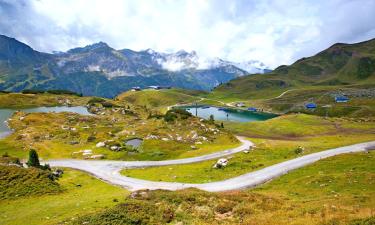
[{"x": 98, "y": 45}]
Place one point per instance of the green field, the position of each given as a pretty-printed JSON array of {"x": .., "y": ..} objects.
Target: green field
[
  {"x": 337, "y": 190},
  {"x": 276, "y": 140}
]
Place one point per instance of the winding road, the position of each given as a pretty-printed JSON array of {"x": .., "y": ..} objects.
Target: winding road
[{"x": 109, "y": 171}]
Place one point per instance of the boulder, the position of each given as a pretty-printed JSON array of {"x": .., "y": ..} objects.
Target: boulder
[
  {"x": 87, "y": 151},
  {"x": 100, "y": 144},
  {"x": 221, "y": 163},
  {"x": 100, "y": 156},
  {"x": 114, "y": 148},
  {"x": 193, "y": 147}
]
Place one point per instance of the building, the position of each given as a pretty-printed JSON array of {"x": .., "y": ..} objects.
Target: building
[
  {"x": 157, "y": 87},
  {"x": 240, "y": 104},
  {"x": 311, "y": 105},
  {"x": 341, "y": 99},
  {"x": 136, "y": 89},
  {"x": 252, "y": 109},
  {"x": 154, "y": 87}
]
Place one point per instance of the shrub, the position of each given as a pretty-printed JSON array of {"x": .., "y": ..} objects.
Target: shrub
[
  {"x": 108, "y": 104},
  {"x": 91, "y": 138},
  {"x": 96, "y": 100},
  {"x": 33, "y": 159},
  {"x": 211, "y": 119},
  {"x": 173, "y": 114}
]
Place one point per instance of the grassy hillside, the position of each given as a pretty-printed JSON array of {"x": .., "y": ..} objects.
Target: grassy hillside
[
  {"x": 159, "y": 98},
  {"x": 81, "y": 194},
  {"x": 339, "y": 65},
  {"x": 338, "y": 190},
  {"x": 276, "y": 140},
  {"x": 18, "y": 100},
  {"x": 19, "y": 182}
]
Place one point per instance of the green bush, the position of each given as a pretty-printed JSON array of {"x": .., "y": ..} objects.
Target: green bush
[
  {"x": 96, "y": 100},
  {"x": 33, "y": 159},
  {"x": 175, "y": 113}
]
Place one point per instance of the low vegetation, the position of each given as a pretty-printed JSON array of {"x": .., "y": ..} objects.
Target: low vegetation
[
  {"x": 19, "y": 100},
  {"x": 159, "y": 98},
  {"x": 336, "y": 190},
  {"x": 74, "y": 194},
  {"x": 17, "y": 181},
  {"x": 276, "y": 140},
  {"x": 67, "y": 135}
]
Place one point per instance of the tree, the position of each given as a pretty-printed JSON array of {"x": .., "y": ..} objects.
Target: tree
[
  {"x": 33, "y": 159},
  {"x": 222, "y": 125},
  {"x": 212, "y": 119}
]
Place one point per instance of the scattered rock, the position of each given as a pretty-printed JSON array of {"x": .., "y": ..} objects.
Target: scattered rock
[
  {"x": 193, "y": 147},
  {"x": 114, "y": 148},
  {"x": 221, "y": 163},
  {"x": 100, "y": 144},
  {"x": 100, "y": 156}
]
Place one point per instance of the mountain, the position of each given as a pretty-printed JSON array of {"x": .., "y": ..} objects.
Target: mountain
[
  {"x": 98, "y": 69},
  {"x": 339, "y": 65}
]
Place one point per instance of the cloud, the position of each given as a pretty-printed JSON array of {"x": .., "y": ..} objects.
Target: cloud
[{"x": 273, "y": 31}]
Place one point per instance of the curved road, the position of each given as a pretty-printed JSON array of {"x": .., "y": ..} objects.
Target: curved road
[{"x": 110, "y": 170}]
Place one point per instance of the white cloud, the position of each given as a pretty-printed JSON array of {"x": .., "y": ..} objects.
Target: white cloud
[{"x": 272, "y": 31}]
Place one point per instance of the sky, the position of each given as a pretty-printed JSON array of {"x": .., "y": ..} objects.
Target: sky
[{"x": 275, "y": 32}]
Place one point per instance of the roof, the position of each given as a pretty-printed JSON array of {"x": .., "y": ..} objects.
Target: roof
[
  {"x": 310, "y": 105},
  {"x": 341, "y": 98},
  {"x": 252, "y": 109}
]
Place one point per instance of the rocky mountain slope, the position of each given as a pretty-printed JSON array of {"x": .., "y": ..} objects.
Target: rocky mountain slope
[{"x": 98, "y": 69}]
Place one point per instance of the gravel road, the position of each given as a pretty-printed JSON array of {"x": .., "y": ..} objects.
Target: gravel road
[{"x": 109, "y": 171}]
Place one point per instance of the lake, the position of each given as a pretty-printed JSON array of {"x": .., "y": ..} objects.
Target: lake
[
  {"x": 6, "y": 113},
  {"x": 228, "y": 114}
]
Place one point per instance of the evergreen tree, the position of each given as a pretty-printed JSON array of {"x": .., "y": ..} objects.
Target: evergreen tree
[
  {"x": 212, "y": 119},
  {"x": 33, "y": 159},
  {"x": 222, "y": 125}
]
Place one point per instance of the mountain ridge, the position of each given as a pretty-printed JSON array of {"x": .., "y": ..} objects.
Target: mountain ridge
[
  {"x": 99, "y": 69},
  {"x": 340, "y": 64}
]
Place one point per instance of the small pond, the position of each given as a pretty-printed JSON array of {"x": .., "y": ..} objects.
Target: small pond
[
  {"x": 229, "y": 114},
  {"x": 6, "y": 113},
  {"x": 135, "y": 143}
]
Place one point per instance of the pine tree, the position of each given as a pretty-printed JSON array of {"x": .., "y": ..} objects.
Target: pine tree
[
  {"x": 212, "y": 119},
  {"x": 33, "y": 159}
]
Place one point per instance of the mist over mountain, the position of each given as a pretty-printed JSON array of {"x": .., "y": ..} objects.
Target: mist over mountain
[{"x": 98, "y": 69}]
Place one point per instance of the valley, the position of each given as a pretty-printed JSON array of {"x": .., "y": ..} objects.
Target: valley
[{"x": 292, "y": 146}]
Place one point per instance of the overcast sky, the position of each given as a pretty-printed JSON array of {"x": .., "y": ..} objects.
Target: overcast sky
[{"x": 273, "y": 31}]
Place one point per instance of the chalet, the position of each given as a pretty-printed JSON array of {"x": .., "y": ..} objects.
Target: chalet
[
  {"x": 136, "y": 89},
  {"x": 310, "y": 105},
  {"x": 240, "y": 104},
  {"x": 154, "y": 87},
  {"x": 341, "y": 99}
]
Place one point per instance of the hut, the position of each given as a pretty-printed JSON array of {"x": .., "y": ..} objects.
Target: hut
[
  {"x": 311, "y": 105},
  {"x": 252, "y": 109},
  {"x": 341, "y": 99}
]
